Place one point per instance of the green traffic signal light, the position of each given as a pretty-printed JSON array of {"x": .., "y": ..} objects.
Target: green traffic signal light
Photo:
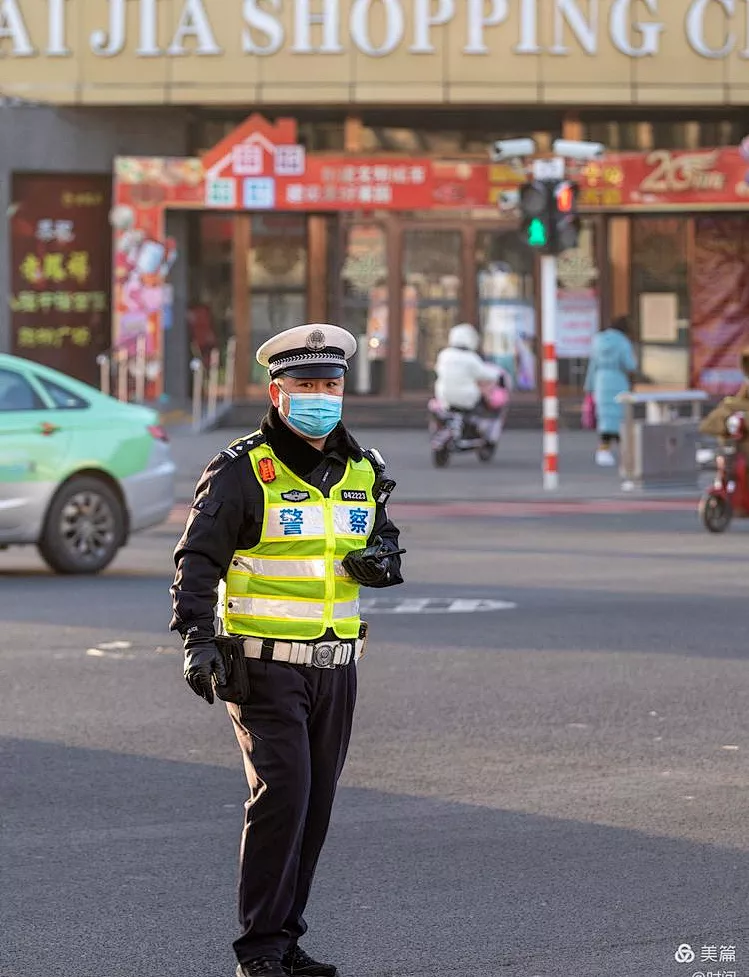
[{"x": 537, "y": 235}]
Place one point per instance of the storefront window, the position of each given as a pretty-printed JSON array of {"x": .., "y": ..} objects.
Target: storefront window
[
  {"x": 364, "y": 302},
  {"x": 507, "y": 318},
  {"x": 431, "y": 300},
  {"x": 660, "y": 298},
  {"x": 658, "y": 131},
  {"x": 446, "y": 132}
]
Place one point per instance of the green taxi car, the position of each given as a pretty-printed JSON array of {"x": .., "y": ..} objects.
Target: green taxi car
[{"x": 79, "y": 471}]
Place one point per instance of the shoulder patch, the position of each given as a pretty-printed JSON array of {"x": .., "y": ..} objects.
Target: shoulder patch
[{"x": 241, "y": 446}]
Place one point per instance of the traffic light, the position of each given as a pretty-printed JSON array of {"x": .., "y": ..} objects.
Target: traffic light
[
  {"x": 536, "y": 208},
  {"x": 550, "y": 223},
  {"x": 566, "y": 219}
]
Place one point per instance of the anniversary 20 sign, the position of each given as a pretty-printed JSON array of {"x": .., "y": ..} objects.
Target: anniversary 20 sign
[{"x": 663, "y": 180}]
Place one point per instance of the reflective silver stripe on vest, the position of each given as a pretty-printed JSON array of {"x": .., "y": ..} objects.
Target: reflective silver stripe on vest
[
  {"x": 263, "y": 567},
  {"x": 279, "y": 609},
  {"x": 310, "y": 569},
  {"x": 350, "y": 519},
  {"x": 294, "y": 521}
]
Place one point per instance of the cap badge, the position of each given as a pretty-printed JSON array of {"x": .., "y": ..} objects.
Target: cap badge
[{"x": 316, "y": 340}]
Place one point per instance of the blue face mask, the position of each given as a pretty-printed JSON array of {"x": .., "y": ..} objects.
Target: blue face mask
[{"x": 314, "y": 415}]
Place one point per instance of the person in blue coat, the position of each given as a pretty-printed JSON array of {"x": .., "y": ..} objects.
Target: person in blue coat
[{"x": 610, "y": 371}]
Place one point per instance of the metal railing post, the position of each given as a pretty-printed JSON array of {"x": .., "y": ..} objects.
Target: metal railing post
[
  {"x": 213, "y": 365},
  {"x": 105, "y": 373},
  {"x": 122, "y": 363},
  {"x": 140, "y": 369},
  {"x": 229, "y": 367},
  {"x": 196, "y": 366}
]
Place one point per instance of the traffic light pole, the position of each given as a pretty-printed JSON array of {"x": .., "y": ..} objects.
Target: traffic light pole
[
  {"x": 550, "y": 371},
  {"x": 547, "y": 202}
]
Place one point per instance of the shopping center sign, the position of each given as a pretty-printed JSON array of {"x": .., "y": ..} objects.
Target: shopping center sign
[{"x": 88, "y": 49}]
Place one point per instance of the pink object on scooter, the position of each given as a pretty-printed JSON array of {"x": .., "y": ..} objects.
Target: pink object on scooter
[{"x": 496, "y": 398}]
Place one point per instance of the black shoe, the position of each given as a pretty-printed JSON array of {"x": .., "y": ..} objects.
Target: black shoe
[
  {"x": 261, "y": 967},
  {"x": 297, "y": 963}
]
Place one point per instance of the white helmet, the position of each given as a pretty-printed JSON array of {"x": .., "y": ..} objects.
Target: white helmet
[{"x": 464, "y": 336}]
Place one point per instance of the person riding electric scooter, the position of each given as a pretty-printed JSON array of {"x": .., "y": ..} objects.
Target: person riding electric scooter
[
  {"x": 738, "y": 403},
  {"x": 728, "y": 496},
  {"x": 468, "y": 409}
]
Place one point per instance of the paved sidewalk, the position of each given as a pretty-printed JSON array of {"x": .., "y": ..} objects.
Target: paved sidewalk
[{"x": 514, "y": 475}]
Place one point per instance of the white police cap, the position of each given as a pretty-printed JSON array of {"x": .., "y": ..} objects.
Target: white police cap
[{"x": 314, "y": 351}]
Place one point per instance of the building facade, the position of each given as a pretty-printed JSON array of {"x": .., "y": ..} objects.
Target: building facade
[{"x": 414, "y": 89}]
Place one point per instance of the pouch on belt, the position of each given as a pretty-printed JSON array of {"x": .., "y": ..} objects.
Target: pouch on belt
[{"x": 237, "y": 687}]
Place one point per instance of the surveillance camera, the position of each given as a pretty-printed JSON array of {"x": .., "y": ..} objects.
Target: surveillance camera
[
  {"x": 512, "y": 149},
  {"x": 573, "y": 149}
]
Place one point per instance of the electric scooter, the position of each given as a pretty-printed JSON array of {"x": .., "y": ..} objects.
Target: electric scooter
[
  {"x": 728, "y": 496},
  {"x": 452, "y": 431}
]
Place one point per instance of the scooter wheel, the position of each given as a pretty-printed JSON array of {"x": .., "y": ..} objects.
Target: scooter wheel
[
  {"x": 486, "y": 452},
  {"x": 441, "y": 457},
  {"x": 716, "y": 512}
]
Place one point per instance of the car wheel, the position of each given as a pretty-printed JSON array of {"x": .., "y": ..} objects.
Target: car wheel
[{"x": 85, "y": 527}]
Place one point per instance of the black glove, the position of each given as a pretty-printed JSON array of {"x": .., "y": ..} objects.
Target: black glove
[
  {"x": 202, "y": 661},
  {"x": 370, "y": 566}
]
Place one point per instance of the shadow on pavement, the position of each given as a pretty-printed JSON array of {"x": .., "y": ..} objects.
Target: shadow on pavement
[
  {"x": 124, "y": 866},
  {"x": 112, "y": 601}
]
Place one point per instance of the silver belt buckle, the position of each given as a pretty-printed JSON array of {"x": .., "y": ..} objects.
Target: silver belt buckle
[{"x": 323, "y": 655}]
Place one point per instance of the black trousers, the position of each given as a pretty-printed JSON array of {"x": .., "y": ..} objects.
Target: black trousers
[{"x": 294, "y": 735}]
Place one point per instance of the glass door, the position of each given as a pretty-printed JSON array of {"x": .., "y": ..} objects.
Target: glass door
[
  {"x": 364, "y": 301},
  {"x": 506, "y": 306},
  {"x": 661, "y": 310},
  {"x": 578, "y": 306},
  {"x": 277, "y": 273}
]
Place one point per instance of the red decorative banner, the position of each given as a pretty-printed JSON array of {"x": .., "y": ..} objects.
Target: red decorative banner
[
  {"x": 719, "y": 302},
  {"x": 663, "y": 179},
  {"x": 260, "y": 167}
]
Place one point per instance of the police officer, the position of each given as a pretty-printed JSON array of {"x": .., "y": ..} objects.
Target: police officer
[{"x": 286, "y": 524}]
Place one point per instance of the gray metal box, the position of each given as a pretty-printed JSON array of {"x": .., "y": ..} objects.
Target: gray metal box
[{"x": 664, "y": 454}]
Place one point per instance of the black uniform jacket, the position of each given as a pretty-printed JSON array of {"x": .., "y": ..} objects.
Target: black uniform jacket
[{"x": 227, "y": 515}]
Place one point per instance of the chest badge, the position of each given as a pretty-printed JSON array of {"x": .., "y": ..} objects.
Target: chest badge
[
  {"x": 267, "y": 470},
  {"x": 295, "y": 496}
]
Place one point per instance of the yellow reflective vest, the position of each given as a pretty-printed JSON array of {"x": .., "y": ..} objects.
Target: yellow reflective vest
[{"x": 292, "y": 586}]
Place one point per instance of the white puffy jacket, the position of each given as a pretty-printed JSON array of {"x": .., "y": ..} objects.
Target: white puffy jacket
[{"x": 459, "y": 373}]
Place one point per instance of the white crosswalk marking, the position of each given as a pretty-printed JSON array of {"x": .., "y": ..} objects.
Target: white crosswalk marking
[
  {"x": 412, "y": 605},
  {"x": 433, "y": 605}
]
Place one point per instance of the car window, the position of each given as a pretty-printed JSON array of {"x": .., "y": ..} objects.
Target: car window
[
  {"x": 16, "y": 393},
  {"x": 62, "y": 398}
]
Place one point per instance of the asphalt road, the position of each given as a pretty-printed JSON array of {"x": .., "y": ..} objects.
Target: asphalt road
[
  {"x": 554, "y": 788},
  {"x": 514, "y": 474}
]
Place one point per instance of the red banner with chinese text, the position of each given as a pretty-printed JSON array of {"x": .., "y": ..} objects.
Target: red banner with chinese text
[
  {"x": 61, "y": 271},
  {"x": 664, "y": 179},
  {"x": 260, "y": 166}
]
